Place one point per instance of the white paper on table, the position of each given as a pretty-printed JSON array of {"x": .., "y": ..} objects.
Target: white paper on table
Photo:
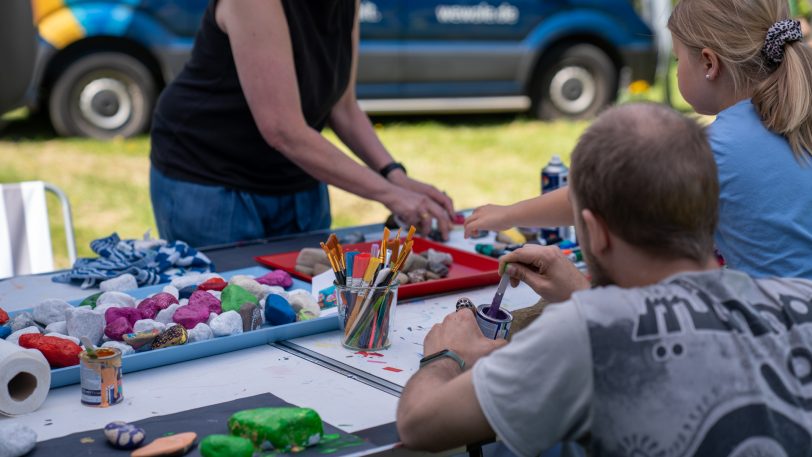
[{"x": 321, "y": 282}]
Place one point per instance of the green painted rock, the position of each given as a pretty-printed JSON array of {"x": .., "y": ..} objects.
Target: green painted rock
[
  {"x": 235, "y": 296},
  {"x": 281, "y": 428},
  {"x": 91, "y": 300},
  {"x": 226, "y": 446}
]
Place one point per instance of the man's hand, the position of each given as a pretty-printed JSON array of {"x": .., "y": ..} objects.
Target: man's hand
[
  {"x": 460, "y": 333},
  {"x": 489, "y": 217},
  {"x": 545, "y": 270}
]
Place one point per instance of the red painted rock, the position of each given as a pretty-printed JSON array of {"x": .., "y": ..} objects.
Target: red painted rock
[
  {"x": 276, "y": 278},
  {"x": 213, "y": 284},
  {"x": 191, "y": 315},
  {"x": 150, "y": 306},
  {"x": 3, "y": 316},
  {"x": 117, "y": 328},
  {"x": 59, "y": 352},
  {"x": 207, "y": 300}
]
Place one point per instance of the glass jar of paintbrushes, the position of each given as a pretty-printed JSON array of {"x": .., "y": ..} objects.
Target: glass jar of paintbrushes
[{"x": 367, "y": 289}]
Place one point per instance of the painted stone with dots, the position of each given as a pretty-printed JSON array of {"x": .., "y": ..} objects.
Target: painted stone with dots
[
  {"x": 123, "y": 435},
  {"x": 466, "y": 303}
]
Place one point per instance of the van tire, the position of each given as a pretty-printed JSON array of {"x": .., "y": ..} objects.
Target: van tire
[
  {"x": 102, "y": 95},
  {"x": 574, "y": 82}
]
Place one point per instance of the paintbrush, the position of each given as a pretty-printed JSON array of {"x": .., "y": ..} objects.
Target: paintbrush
[{"x": 493, "y": 311}]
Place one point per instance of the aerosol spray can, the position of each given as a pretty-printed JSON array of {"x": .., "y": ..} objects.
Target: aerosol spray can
[{"x": 553, "y": 176}]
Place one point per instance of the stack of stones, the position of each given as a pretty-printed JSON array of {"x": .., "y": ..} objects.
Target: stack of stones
[{"x": 192, "y": 308}]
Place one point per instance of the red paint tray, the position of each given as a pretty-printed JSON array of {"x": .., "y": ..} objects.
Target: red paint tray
[{"x": 469, "y": 270}]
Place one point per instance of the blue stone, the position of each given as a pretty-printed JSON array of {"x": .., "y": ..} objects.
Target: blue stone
[
  {"x": 5, "y": 331},
  {"x": 278, "y": 311},
  {"x": 123, "y": 435},
  {"x": 186, "y": 292}
]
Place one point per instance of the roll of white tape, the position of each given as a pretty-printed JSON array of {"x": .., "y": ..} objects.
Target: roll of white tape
[{"x": 25, "y": 378}]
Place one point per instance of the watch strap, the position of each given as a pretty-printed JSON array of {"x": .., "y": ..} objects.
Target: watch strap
[
  {"x": 390, "y": 168},
  {"x": 442, "y": 354}
]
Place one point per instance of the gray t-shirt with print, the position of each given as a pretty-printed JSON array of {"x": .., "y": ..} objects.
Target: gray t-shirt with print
[{"x": 706, "y": 363}]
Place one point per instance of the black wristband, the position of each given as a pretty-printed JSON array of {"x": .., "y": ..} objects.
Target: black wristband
[{"x": 392, "y": 167}]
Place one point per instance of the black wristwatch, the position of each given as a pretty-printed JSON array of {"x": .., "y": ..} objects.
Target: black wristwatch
[
  {"x": 392, "y": 167},
  {"x": 439, "y": 355}
]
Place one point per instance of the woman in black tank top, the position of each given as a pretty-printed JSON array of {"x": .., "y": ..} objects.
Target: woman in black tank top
[{"x": 237, "y": 152}]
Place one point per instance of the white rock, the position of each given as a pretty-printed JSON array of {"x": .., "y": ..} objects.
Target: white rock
[
  {"x": 145, "y": 325},
  {"x": 16, "y": 439},
  {"x": 116, "y": 297},
  {"x": 119, "y": 283},
  {"x": 100, "y": 310},
  {"x": 248, "y": 283},
  {"x": 57, "y": 327},
  {"x": 172, "y": 290},
  {"x": 50, "y": 311},
  {"x": 268, "y": 290},
  {"x": 183, "y": 301},
  {"x": 211, "y": 318},
  {"x": 215, "y": 293},
  {"x": 304, "y": 302},
  {"x": 201, "y": 332},
  {"x": 192, "y": 279},
  {"x": 65, "y": 337},
  {"x": 86, "y": 323},
  {"x": 14, "y": 338},
  {"x": 228, "y": 323},
  {"x": 123, "y": 347},
  {"x": 165, "y": 315}
]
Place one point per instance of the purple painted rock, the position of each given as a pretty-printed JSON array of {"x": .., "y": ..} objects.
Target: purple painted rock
[
  {"x": 131, "y": 314},
  {"x": 117, "y": 328},
  {"x": 279, "y": 278},
  {"x": 190, "y": 315},
  {"x": 150, "y": 306},
  {"x": 201, "y": 297}
]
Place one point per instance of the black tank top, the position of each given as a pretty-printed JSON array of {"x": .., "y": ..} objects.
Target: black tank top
[{"x": 203, "y": 130}]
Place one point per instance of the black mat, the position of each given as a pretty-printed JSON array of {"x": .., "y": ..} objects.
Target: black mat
[{"x": 210, "y": 420}]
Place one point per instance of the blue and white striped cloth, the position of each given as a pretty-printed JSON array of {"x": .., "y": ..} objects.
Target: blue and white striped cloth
[{"x": 150, "y": 261}]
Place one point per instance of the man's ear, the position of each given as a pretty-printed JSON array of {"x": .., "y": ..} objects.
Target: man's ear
[
  {"x": 597, "y": 232},
  {"x": 711, "y": 63}
]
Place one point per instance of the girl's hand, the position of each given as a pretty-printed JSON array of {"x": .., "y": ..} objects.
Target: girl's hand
[{"x": 488, "y": 217}]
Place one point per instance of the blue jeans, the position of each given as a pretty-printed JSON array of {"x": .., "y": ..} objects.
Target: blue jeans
[{"x": 204, "y": 215}]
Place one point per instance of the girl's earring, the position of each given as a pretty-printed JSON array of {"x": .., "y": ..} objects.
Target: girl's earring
[{"x": 707, "y": 76}]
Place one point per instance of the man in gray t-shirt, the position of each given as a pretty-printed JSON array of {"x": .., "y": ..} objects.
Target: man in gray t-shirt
[{"x": 667, "y": 355}]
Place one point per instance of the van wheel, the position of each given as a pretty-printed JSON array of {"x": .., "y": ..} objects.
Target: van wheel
[
  {"x": 573, "y": 82},
  {"x": 102, "y": 95}
]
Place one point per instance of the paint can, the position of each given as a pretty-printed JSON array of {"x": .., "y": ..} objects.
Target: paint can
[
  {"x": 494, "y": 328},
  {"x": 100, "y": 377},
  {"x": 554, "y": 176}
]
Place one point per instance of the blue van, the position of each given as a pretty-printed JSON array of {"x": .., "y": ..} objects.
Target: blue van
[{"x": 102, "y": 63}]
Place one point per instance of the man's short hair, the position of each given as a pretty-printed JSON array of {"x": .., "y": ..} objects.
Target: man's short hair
[{"x": 648, "y": 171}]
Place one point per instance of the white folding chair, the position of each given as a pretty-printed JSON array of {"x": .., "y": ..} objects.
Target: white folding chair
[{"x": 25, "y": 237}]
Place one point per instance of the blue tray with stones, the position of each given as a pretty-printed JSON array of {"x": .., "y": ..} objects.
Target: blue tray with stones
[{"x": 159, "y": 357}]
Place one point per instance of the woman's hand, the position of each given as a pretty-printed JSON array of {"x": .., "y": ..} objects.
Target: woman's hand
[
  {"x": 417, "y": 209},
  {"x": 488, "y": 217},
  {"x": 437, "y": 204}
]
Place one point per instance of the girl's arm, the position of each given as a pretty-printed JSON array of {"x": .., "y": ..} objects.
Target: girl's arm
[{"x": 549, "y": 210}]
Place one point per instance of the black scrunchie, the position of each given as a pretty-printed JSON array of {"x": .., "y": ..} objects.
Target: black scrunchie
[{"x": 781, "y": 33}]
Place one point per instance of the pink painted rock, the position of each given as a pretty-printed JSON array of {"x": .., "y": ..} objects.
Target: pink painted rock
[
  {"x": 117, "y": 328},
  {"x": 189, "y": 315},
  {"x": 150, "y": 306},
  {"x": 205, "y": 299},
  {"x": 279, "y": 278},
  {"x": 131, "y": 314},
  {"x": 213, "y": 284}
]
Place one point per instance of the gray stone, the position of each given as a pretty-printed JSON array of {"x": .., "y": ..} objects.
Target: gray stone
[
  {"x": 119, "y": 298},
  {"x": 123, "y": 347},
  {"x": 439, "y": 257},
  {"x": 50, "y": 311},
  {"x": 86, "y": 323},
  {"x": 165, "y": 315},
  {"x": 65, "y": 337},
  {"x": 172, "y": 290},
  {"x": 16, "y": 439},
  {"x": 228, "y": 323},
  {"x": 14, "y": 338},
  {"x": 145, "y": 325},
  {"x": 119, "y": 283},
  {"x": 57, "y": 327},
  {"x": 438, "y": 268},
  {"x": 21, "y": 321},
  {"x": 251, "y": 317},
  {"x": 201, "y": 332}
]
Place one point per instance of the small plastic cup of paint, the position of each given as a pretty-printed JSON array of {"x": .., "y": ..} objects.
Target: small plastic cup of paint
[
  {"x": 494, "y": 327},
  {"x": 366, "y": 316}
]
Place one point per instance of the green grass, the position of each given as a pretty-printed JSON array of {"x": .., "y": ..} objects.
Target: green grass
[{"x": 477, "y": 159}]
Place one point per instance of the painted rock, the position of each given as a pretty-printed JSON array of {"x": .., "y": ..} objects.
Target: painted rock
[
  {"x": 403, "y": 278},
  {"x": 226, "y": 446},
  {"x": 87, "y": 323},
  {"x": 284, "y": 428},
  {"x": 117, "y": 328},
  {"x": 119, "y": 283},
  {"x": 123, "y": 347},
  {"x": 167, "y": 445},
  {"x": 251, "y": 317},
  {"x": 301, "y": 300},
  {"x": 16, "y": 439},
  {"x": 279, "y": 278},
  {"x": 21, "y": 321},
  {"x": 57, "y": 327},
  {"x": 117, "y": 298},
  {"x": 213, "y": 284},
  {"x": 50, "y": 311},
  {"x": 417, "y": 276},
  {"x": 57, "y": 351},
  {"x": 173, "y": 336},
  {"x": 172, "y": 290},
  {"x": 14, "y": 337},
  {"x": 145, "y": 325},
  {"x": 123, "y": 435},
  {"x": 235, "y": 296},
  {"x": 165, "y": 315},
  {"x": 201, "y": 332},
  {"x": 278, "y": 311},
  {"x": 65, "y": 337},
  {"x": 132, "y": 315},
  {"x": 3, "y": 316},
  {"x": 91, "y": 300},
  {"x": 151, "y": 305},
  {"x": 192, "y": 279},
  {"x": 190, "y": 315},
  {"x": 5, "y": 331},
  {"x": 228, "y": 323},
  {"x": 206, "y": 299},
  {"x": 305, "y": 315},
  {"x": 248, "y": 283},
  {"x": 141, "y": 339}
]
